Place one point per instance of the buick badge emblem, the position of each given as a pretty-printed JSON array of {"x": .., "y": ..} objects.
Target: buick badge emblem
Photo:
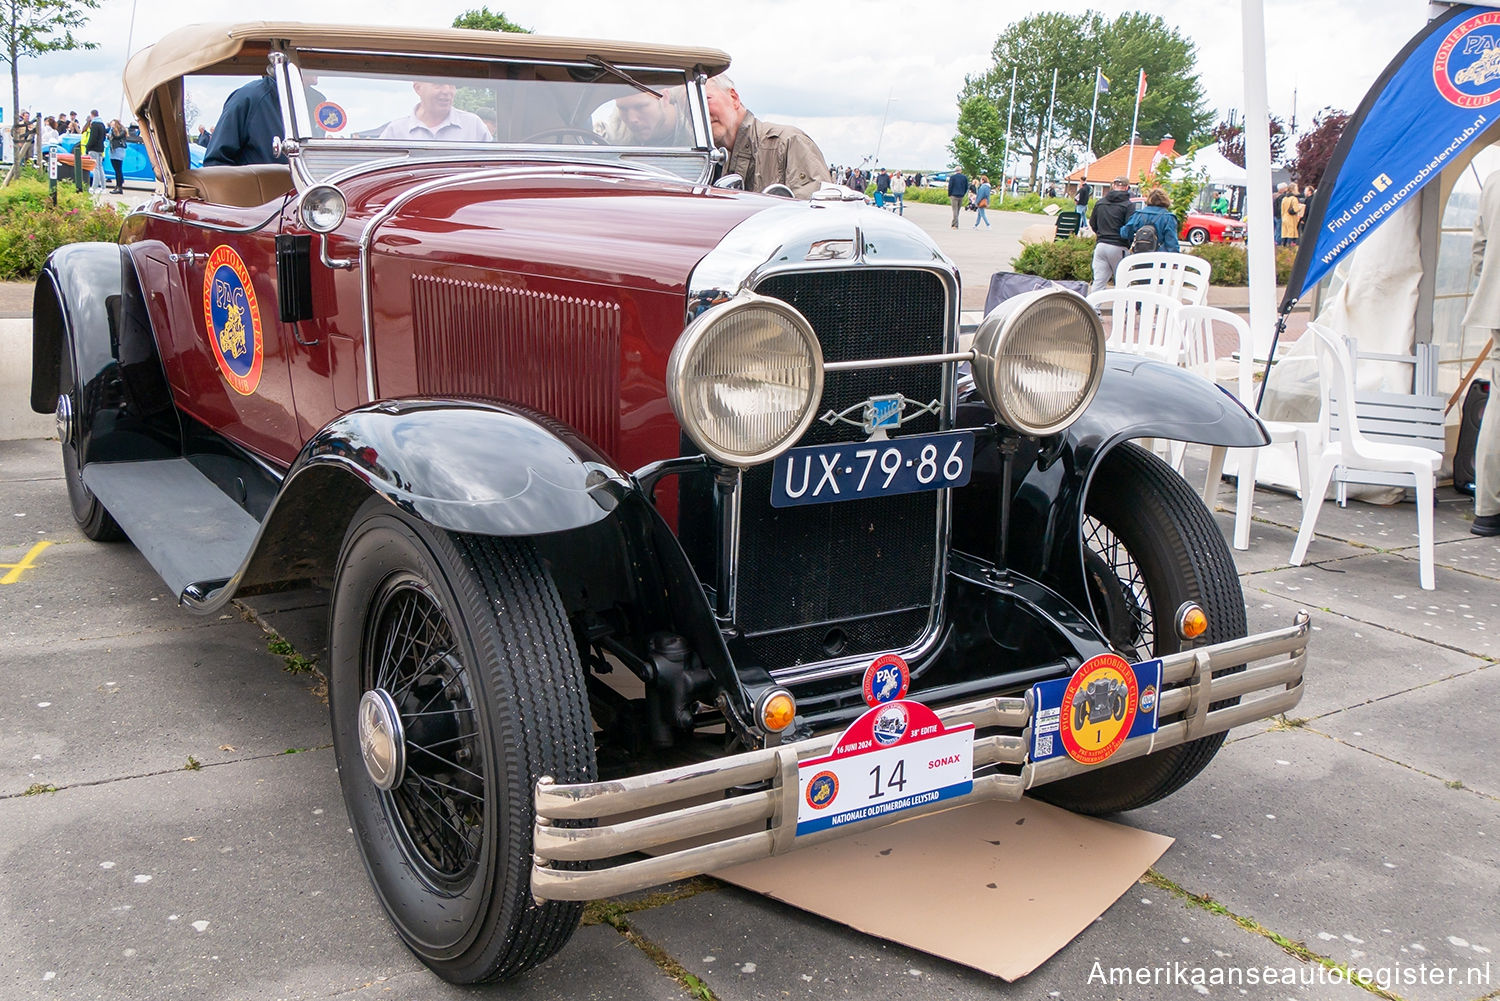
[{"x": 879, "y": 414}]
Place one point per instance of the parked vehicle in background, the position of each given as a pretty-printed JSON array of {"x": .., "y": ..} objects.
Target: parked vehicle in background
[
  {"x": 137, "y": 168},
  {"x": 649, "y": 510},
  {"x": 1199, "y": 228}
]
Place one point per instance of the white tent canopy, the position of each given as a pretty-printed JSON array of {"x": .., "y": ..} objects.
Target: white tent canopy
[{"x": 1221, "y": 171}]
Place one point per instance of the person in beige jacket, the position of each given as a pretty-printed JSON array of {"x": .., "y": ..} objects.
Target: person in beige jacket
[
  {"x": 1484, "y": 313},
  {"x": 761, "y": 152}
]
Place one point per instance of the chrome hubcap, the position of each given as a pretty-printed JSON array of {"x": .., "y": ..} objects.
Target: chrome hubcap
[
  {"x": 64, "y": 419},
  {"x": 382, "y": 743}
]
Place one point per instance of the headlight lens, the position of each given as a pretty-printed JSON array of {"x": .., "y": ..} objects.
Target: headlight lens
[
  {"x": 745, "y": 379},
  {"x": 1038, "y": 359},
  {"x": 322, "y": 208}
]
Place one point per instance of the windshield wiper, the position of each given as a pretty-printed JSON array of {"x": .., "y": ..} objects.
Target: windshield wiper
[{"x": 606, "y": 64}]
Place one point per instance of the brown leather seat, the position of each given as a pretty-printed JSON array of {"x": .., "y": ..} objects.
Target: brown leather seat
[{"x": 244, "y": 187}]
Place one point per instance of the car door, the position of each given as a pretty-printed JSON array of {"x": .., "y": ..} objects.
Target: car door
[{"x": 239, "y": 368}]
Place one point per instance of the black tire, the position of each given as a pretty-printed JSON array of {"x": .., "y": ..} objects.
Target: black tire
[
  {"x": 1197, "y": 236},
  {"x": 93, "y": 519},
  {"x": 1145, "y": 523},
  {"x": 469, "y": 637}
]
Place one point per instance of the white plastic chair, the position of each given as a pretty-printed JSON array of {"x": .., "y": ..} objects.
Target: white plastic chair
[
  {"x": 1348, "y": 448},
  {"x": 1180, "y": 276},
  {"x": 1141, "y": 322},
  {"x": 1200, "y": 354}
]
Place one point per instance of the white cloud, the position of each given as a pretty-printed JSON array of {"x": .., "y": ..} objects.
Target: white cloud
[{"x": 831, "y": 69}]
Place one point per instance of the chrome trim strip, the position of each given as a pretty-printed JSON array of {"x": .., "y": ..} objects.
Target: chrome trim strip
[
  {"x": 1280, "y": 685},
  {"x": 215, "y": 227},
  {"x": 864, "y": 363}
]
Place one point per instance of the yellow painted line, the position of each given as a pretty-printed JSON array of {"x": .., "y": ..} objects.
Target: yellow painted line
[{"x": 26, "y": 563}]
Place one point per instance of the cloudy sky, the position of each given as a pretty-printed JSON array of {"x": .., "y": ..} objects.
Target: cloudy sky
[{"x": 835, "y": 69}]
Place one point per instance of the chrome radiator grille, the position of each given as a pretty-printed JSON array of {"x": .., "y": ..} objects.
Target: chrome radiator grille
[{"x": 838, "y": 580}]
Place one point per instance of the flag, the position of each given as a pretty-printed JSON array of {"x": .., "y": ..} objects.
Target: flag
[
  {"x": 1101, "y": 85},
  {"x": 1141, "y": 94}
]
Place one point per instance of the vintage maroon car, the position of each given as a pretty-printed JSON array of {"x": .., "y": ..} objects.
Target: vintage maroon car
[
  {"x": 1199, "y": 228},
  {"x": 665, "y": 525}
]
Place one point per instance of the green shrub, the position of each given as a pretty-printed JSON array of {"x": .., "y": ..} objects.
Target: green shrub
[
  {"x": 1231, "y": 265},
  {"x": 31, "y": 227},
  {"x": 1058, "y": 261}
]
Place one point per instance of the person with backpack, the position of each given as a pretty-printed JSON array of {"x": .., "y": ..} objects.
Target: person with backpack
[
  {"x": 1109, "y": 215},
  {"x": 1152, "y": 227}
]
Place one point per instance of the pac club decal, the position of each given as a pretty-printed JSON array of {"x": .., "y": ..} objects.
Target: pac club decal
[
  {"x": 1098, "y": 708},
  {"x": 233, "y": 320},
  {"x": 330, "y": 116},
  {"x": 1467, "y": 67},
  {"x": 822, "y": 789},
  {"x": 886, "y": 680}
]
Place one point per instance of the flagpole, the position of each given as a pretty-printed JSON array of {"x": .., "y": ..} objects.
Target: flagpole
[
  {"x": 1010, "y": 114},
  {"x": 1098, "y": 74},
  {"x": 1135, "y": 120},
  {"x": 1047, "y": 157}
]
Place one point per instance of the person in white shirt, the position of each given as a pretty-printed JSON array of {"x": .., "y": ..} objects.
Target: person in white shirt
[{"x": 435, "y": 117}]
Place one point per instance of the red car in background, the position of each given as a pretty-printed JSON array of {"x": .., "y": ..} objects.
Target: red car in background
[{"x": 1199, "y": 228}]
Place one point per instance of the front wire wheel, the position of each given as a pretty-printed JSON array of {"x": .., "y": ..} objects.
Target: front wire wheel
[
  {"x": 1149, "y": 546},
  {"x": 455, "y": 685}
]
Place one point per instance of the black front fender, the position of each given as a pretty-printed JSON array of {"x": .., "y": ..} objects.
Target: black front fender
[{"x": 1138, "y": 398}]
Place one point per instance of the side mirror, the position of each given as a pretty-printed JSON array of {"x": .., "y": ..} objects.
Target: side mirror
[
  {"x": 733, "y": 182},
  {"x": 778, "y": 189}
]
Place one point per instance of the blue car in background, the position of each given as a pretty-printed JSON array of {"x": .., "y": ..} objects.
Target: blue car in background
[{"x": 137, "y": 166}]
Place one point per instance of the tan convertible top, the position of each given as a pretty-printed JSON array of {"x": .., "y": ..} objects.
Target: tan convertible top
[{"x": 243, "y": 48}]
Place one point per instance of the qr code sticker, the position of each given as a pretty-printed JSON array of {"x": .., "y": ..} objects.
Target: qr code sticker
[{"x": 1044, "y": 746}]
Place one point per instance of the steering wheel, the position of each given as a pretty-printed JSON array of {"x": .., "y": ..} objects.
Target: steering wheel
[{"x": 589, "y": 138}]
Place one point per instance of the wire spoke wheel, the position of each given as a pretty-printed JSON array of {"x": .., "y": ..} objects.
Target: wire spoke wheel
[
  {"x": 454, "y": 686},
  {"x": 438, "y": 808},
  {"x": 1149, "y": 545}
]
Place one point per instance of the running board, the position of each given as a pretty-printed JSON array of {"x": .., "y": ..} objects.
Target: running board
[{"x": 188, "y": 529}]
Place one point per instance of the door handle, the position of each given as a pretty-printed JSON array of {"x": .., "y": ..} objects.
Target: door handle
[{"x": 191, "y": 257}]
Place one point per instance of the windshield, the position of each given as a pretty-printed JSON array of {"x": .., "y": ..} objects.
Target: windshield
[{"x": 443, "y": 101}]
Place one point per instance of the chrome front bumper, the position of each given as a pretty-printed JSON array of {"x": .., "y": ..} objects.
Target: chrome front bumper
[{"x": 705, "y": 805}]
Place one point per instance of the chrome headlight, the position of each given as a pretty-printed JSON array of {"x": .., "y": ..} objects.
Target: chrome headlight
[
  {"x": 745, "y": 379},
  {"x": 1038, "y": 360},
  {"x": 322, "y": 208}
]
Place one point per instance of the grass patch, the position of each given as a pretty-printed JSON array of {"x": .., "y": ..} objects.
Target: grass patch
[
  {"x": 193, "y": 765},
  {"x": 615, "y": 914},
  {"x": 1285, "y": 722},
  {"x": 292, "y": 661},
  {"x": 37, "y": 788},
  {"x": 1297, "y": 950},
  {"x": 1454, "y": 784}
]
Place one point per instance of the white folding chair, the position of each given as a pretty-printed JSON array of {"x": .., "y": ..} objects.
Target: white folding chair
[
  {"x": 1179, "y": 276},
  {"x": 1344, "y": 446},
  {"x": 1200, "y": 354},
  {"x": 1141, "y": 322}
]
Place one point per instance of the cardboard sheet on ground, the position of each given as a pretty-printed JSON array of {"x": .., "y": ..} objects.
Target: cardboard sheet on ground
[{"x": 999, "y": 887}]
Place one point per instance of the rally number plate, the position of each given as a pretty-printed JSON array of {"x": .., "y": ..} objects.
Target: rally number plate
[
  {"x": 823, "y": 474},
  {"x": 895, "y": 757}
]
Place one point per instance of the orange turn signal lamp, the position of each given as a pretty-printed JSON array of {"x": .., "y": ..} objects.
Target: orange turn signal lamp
[
  {"x": 1191, "y": 621},
  {"x": 777, "y": 710}
]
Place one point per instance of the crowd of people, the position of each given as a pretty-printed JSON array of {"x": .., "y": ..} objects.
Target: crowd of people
[
  {"x": 99, "y": 140},
  {"x": 1288, "y": 210}
]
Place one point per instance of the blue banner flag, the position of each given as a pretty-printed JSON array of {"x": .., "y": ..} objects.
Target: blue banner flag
[
  {"x": 1434, "y": 99},
  {"x": 1102, "y": 84}
]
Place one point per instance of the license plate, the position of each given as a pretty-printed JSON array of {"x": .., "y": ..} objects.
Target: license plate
[
  {"x": 824, "y": 474},
  {"x": 895, "y": 757},
  {"x": 1089, "y": 716}
]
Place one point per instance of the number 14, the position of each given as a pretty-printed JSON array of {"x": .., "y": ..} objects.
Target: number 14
[{"x": 897, "y": 780}]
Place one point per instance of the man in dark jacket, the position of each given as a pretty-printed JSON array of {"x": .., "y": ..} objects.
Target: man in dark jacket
[
  {"x": 958, "y": 186},
  {"x": 1110, "y": 213}
]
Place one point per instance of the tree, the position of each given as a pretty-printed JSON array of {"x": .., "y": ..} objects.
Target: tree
[
  {"x": 483, "y": 20},
  {"x": 31, "y": 27},
  {"x": 981, "y": 136},
  {"x": 1075, "y": 45},
  {"x": 1316, "y": 147},
  {"x": 1230, "y": 136}
]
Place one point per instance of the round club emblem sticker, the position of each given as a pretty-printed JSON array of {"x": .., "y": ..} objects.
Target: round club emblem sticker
[
  {"x": 1098, "y": 708},
  {"x": 1148, "y": 699},
  {"x": 890, "y": 724},
  {"x": 330, "y": 116},
  {"x": 1467, "y": 68},
  {"x": 233, "y": 319},
  {"x": 821, "y": 790},
  {"x": 886, "y": 680}
]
